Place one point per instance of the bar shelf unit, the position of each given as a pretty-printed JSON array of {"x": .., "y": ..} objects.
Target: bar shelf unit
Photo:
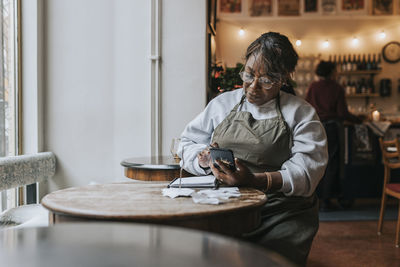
[{"x": 370, "y": 73}]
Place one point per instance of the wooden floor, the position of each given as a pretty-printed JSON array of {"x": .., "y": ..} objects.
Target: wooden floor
[{"x": 354, "y": 244}]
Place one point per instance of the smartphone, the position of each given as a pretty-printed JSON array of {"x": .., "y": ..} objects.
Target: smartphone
[{"x": 224, "y": 155}]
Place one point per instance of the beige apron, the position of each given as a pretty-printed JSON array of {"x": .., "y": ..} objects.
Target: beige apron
[{"x": 289, "y": 224}]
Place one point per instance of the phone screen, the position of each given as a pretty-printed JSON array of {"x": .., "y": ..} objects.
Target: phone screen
[{"x": 224, "y": 155}]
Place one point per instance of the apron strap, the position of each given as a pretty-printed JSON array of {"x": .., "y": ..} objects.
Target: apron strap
[
  {"x": 235, "y": 108},
  {"x": 280, "y": 115},
  {"x": 278, "y": 106}
]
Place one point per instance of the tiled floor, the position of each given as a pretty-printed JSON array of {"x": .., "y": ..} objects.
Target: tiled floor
[{"x": 354, "y": 244}]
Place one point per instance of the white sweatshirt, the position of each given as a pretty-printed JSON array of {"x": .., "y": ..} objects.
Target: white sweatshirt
[{"x": 309, "y": 153}]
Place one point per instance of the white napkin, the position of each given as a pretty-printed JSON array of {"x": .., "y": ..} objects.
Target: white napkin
[
  {"x": 211, "y": 196},
  {"x": 177, "y": 192}
]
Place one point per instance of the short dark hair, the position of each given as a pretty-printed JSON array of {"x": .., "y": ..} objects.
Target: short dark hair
[
  {"x": 325, "y": 68},
  {"x": 278, "y": 55}
]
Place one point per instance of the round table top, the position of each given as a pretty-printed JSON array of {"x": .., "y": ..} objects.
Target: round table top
[
  {"x": 139, "y": 200},
  {"x": 127, "y": 244},
  {"x": 152, "y": 163}
]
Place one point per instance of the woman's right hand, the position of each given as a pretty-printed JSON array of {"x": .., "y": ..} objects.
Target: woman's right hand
[{"x": 204, "y": 156}]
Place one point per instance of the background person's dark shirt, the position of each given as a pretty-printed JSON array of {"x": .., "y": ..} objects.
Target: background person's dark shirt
[{"x": 328, "y": 99}]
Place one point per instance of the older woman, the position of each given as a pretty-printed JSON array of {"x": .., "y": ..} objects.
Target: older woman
[{"x": 278, "y": 141}]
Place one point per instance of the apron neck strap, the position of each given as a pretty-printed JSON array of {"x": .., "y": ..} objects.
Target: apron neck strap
[
  {"x": 277, "y": 105},
  {"x": 238, "y": 104}
]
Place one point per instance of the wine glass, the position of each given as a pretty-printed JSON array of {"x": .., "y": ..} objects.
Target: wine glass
[{"x": 174, "y": 147}]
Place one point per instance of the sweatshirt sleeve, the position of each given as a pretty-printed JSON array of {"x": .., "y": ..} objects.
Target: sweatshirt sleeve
[
  {"x": 195, "y": 138},
  {"x": 302, "y": 172}
]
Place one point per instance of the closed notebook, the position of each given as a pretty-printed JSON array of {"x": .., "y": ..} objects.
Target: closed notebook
[{"x": 208, "y": 181}]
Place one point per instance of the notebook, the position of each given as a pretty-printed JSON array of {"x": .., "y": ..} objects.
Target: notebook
[{"x": 208, "y": 181}]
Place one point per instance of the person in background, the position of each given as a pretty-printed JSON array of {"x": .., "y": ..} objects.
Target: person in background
[
  {"x": 328, "y": 98},
  {"x": 278, "y": 141}
]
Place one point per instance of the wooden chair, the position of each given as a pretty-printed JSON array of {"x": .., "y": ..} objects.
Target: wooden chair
[
  {"x": 391, "y": 160},
  {"x": 20, "y": 171}
]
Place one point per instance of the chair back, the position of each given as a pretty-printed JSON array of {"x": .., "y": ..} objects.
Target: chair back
[
  {"x": 26, "y": 169},
  {"x": 390, "y": 152}
]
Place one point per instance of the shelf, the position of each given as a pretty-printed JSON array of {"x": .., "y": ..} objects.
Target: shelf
[
  {"x": 364, "y": 95},
  {"x": 359, "y": 72},
  {"x": 321, "y": 17}
]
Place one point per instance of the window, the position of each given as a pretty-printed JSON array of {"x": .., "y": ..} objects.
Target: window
[{"x": 8, "y": 89}]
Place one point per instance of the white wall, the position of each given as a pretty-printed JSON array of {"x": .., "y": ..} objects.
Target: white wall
[
  {"x": 97, "y": 106},
  {"x": 183, "y": 65}
]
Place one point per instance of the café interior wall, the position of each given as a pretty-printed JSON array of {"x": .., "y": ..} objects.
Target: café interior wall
[
  {"x": 97, "y": 94},
  {"x": 183, "y": 66},
  {"x": 97, "y": 99},
  {"x": 231, "y": 46}
]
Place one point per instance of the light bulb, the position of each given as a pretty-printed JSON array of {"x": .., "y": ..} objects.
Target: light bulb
[
  {"x": 241, "y": 32},
  {"x": 355, "y": 41},
  {"x": 382, "y": 35},
  {"x": 298, "y": 43},
  {"x": 326, "y": 44}
]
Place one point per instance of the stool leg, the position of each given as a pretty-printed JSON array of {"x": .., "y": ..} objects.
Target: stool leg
[
  {"x": 398, "y": 227},
  {"x": 382, "y": 212}
]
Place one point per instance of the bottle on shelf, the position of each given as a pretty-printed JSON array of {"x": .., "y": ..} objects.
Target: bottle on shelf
[
  {"x": 363, "y": 86},
  {"x": 368, "y": 62},
  {"x": 339, "y": 64},
  {"x": 349, "y": 65},
  {"x": 359, "y": 62},
  {"x": 363, "y": 63},
  {"x": 373, "y": 64},
  {"x": 379, "y": 63},
  {"x": 344, "y": 64},
  {"x": 347, "y": 87},
  {"x": 354, "y": 63},
  {"x": 370, "y": 86}
]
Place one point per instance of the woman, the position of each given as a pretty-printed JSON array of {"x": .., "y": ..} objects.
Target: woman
[
  {"x": 279, "y": 143},
  {"x": 328, "y": 98}
]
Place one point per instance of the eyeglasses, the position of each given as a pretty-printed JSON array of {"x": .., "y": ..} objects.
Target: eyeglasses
[{"x": 264, "y": 82}]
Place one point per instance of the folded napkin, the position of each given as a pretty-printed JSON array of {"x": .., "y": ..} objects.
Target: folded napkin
[
  {"x": 177, "y": 192},
  {"x": 217, "y": 196}
]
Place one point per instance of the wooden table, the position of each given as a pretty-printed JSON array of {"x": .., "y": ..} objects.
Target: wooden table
[
  {"x": 162, "y": 168},
  {"x": 123, "y": 244},
  {"x": 143, "y": 202}
]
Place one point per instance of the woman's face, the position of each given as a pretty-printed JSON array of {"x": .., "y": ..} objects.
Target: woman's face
[{"x": 260, "y": 89}]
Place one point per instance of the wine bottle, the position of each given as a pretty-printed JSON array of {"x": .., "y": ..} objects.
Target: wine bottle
[
  {"x": 363, "y": 63},
  {"x": 371, "y": 87},
  {"x": 354, "y": 63},
  {"x": 368, "y": 62},
  {"x": 344, "y": 64},
  {"x": 357, "y": 86},
  {"x": 349, "y": 65},
  {"x": 339, "y": 64},
  {"x": 379, "y": 63},
  {"x": 363, "y": 86},
  {"x": 359, "y": 62},
  {"x": 373, "y": 65}
]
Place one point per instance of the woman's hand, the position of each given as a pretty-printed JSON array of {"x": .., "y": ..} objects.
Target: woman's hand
[
  {"x": 205, "y": 158},
  {"x": 242, "y": 175}
]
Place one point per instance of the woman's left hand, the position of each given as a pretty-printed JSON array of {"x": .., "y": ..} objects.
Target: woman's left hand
[{"x": 242, "y": 176}]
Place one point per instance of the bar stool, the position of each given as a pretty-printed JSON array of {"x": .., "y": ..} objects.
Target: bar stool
[{"x": 391, "y": 160}]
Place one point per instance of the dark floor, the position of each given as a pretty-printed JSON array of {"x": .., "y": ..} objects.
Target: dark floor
[{"x": 354, "y": 243}]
